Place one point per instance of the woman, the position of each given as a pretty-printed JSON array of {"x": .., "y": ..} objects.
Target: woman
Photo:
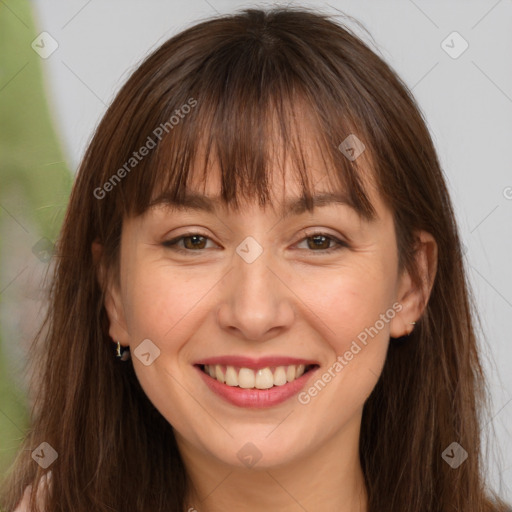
[{"x": 260, "y": 231}]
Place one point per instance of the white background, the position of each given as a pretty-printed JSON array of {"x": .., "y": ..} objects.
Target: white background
[{"x": 467, "y": 102}]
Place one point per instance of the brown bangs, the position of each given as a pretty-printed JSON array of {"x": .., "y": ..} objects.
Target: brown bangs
[{"x": 248, "y": 103}]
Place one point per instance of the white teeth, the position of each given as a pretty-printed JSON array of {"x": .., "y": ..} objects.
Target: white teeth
[
  {"x": 219, "y": 374},
  {"x": 231, "y": 376},
  {"x": 280, "y": 376},
  {"x": 248, "y": 378},
  {"x": 264, "y": 378}
]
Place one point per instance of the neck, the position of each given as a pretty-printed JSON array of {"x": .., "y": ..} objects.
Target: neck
[{"x": 330, "y": 478}]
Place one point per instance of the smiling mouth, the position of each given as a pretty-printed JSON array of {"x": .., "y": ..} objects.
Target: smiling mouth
[{"x": 262, "y": 378}]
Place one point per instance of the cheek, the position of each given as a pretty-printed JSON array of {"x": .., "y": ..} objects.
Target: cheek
[
  {"x": 160, "y": 300},
  {"x": 353, "y": 310},
  {"x": 165, "y": 307},
  {"x": 347, "y": 301}
]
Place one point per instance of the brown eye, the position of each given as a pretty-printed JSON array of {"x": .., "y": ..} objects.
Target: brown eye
[
  {"x": 323, "y": 243},
  {"x": 195, "y": 242},
  {"x": 319, "y": 242},
  {"x": 191, "y": 242}
]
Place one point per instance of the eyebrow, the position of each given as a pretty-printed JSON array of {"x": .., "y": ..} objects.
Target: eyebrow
[{"x": 295, "y": 206}]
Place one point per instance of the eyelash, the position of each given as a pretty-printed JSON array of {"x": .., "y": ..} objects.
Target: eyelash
[{"x": 172, "y": 244}]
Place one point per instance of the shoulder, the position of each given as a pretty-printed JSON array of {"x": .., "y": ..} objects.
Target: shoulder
[
  {"x": 23, "y": 504},
  {"x": 44, "y": 482}
]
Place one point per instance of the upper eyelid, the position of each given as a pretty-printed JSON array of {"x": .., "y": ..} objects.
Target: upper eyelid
[{"x": 304, "y": 234}]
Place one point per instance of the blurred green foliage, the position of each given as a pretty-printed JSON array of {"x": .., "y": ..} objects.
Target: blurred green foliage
[{"x": 35, "y": 183}]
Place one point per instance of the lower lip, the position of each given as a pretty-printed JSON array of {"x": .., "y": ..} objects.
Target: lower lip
[{"x": 256, "y": 398}]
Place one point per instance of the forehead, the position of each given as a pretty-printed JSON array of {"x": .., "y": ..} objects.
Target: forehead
[
  {"x": 204, "y": 191},
  {"x": 268, "y": 159}
]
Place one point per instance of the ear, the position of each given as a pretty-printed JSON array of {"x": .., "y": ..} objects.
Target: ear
[
  {"x": 412, "y": 296},
  {"x": 113, "y": 303}
]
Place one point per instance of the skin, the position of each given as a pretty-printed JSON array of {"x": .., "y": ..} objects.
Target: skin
[{"x": 293, "y": 300}]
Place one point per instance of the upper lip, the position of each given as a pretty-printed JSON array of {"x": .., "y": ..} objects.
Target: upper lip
[{"x": 249, "y": 362}]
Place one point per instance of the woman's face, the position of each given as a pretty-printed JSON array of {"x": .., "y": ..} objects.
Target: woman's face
[{"x": 253, "y": 285}]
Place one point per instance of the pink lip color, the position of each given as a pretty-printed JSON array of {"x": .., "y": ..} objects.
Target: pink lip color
[
  {"x": 256, "y": 398},
  {"x": 248, "y": 362}
]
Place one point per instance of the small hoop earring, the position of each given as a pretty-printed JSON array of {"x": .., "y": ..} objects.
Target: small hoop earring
[{"x": 123, "y": 354}]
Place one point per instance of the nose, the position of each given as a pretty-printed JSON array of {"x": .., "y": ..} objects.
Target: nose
[{"x": 256, "y": 301}]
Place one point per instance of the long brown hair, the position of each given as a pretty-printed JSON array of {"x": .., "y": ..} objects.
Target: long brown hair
[{"x": 222, "y": 80}]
